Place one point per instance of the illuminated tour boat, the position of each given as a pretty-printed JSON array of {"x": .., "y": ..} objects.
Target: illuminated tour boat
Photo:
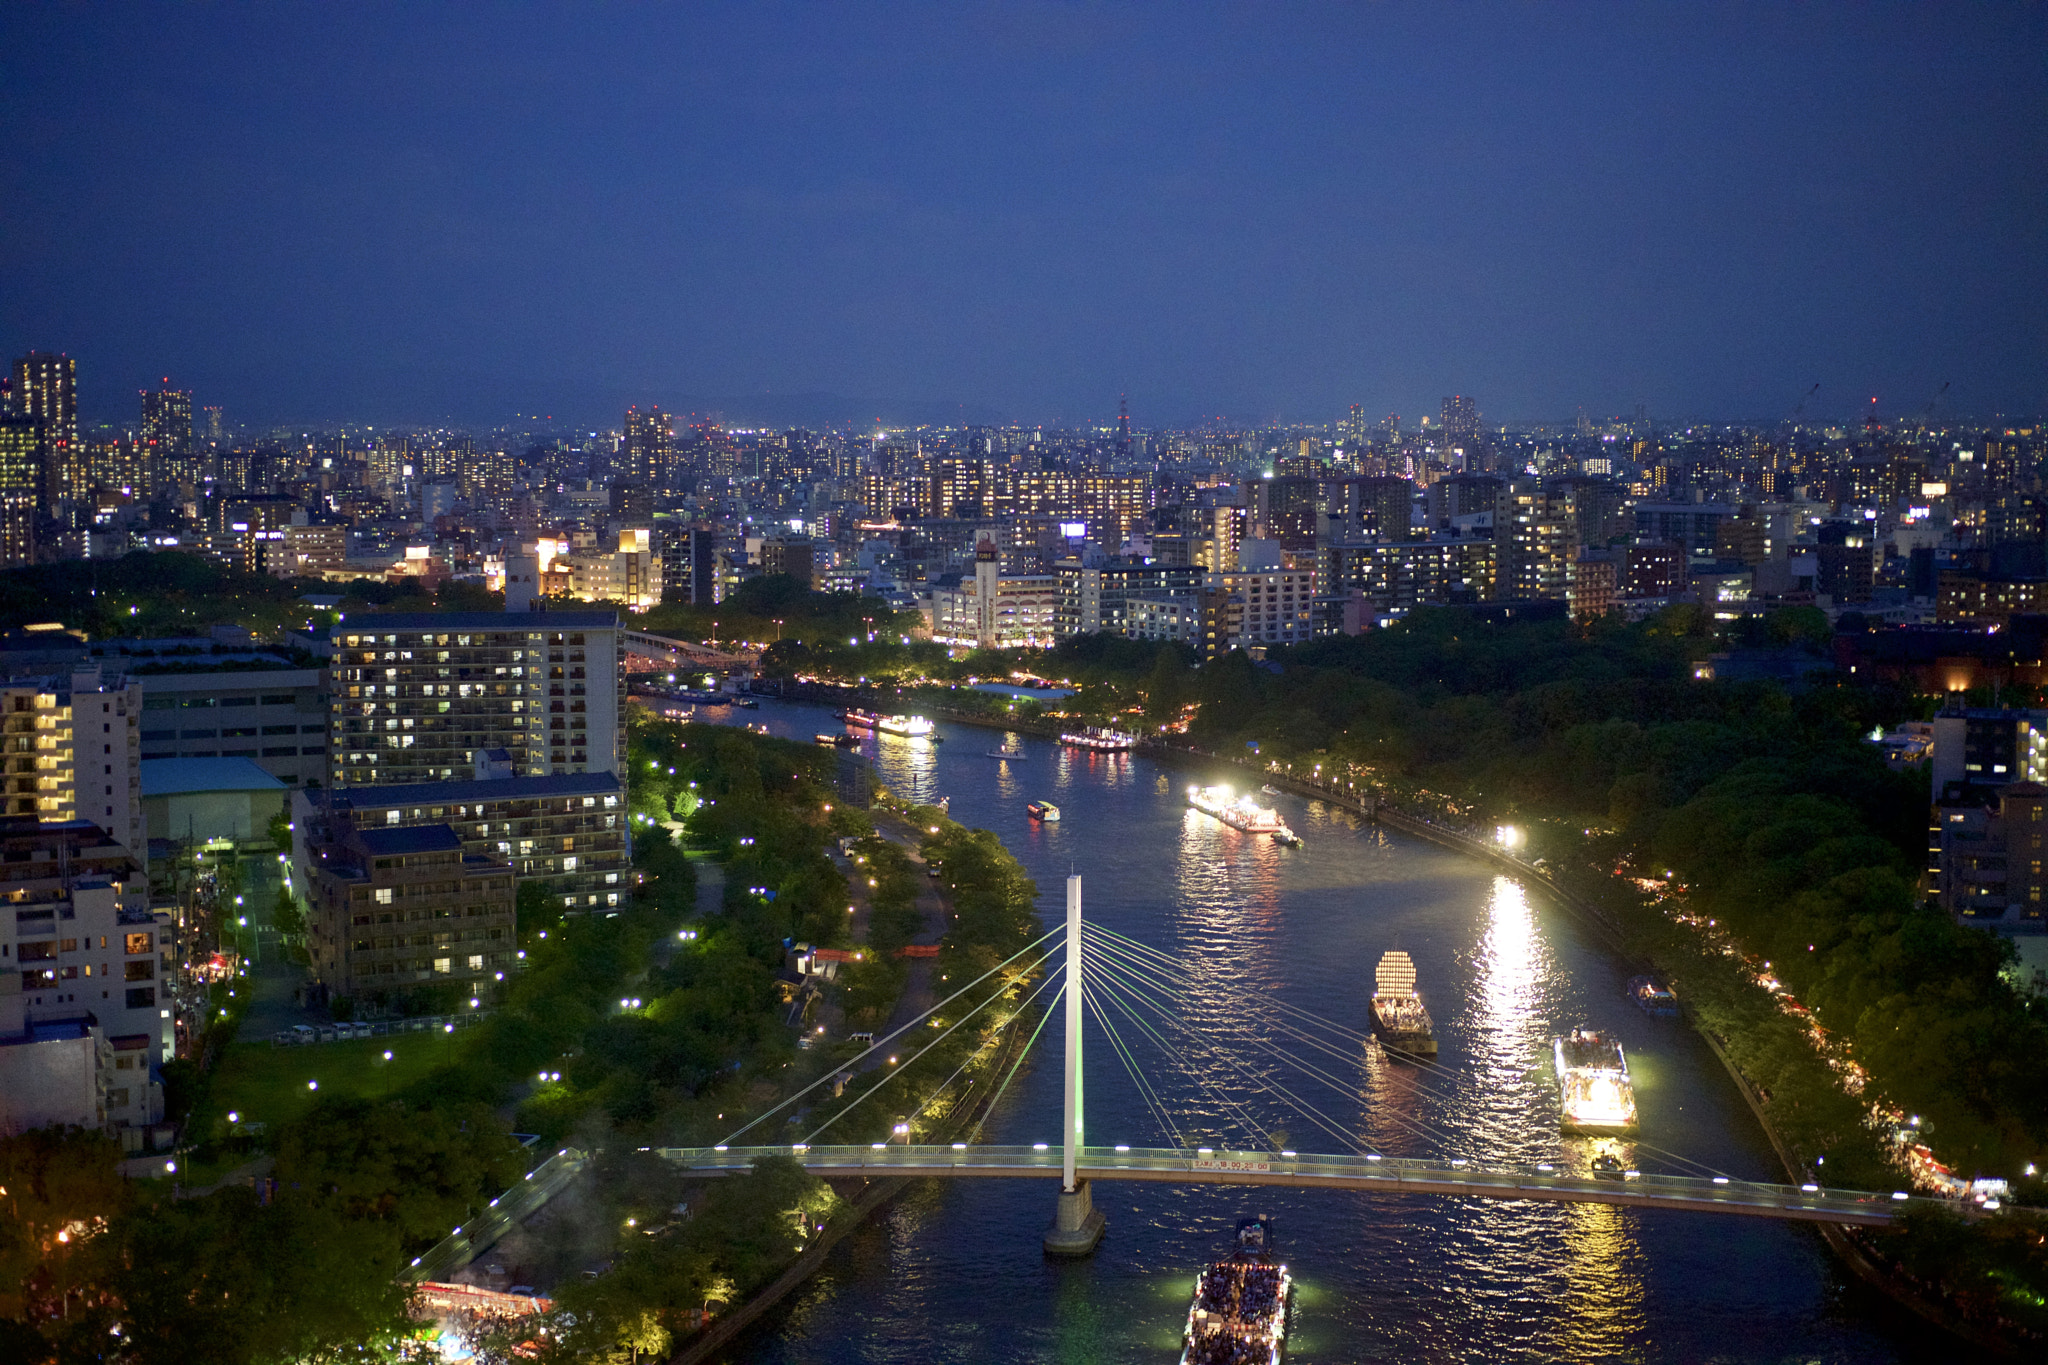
[
  {"x": 1242, "y": 814},
  {"x": 1593, "y": 1089},
  {"x": 1099, "y": 738},
  {"x": 903, "y": 727},
  {"x": 1398, "y": 1016},
  {"x": 1239, "y": 1312}
]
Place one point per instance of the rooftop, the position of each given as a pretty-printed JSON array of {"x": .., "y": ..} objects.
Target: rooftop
[
  {"x": 383, "y": 843},
  {"x": 182, "y": 776},
  {"x": 486, "y": 620},
  {"x": 470, "y": 791}
]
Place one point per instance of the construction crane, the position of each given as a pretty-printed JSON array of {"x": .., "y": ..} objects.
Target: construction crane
[{"x": 1927, "y": 413}]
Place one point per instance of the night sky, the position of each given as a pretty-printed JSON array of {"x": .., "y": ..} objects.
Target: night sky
[{"x": 802, "y": 213}]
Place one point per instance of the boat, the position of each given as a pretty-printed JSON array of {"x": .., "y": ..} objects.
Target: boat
[
  {"x": 1243, "y": 814},
  {"x": 1398, "y": 1015},
  {"x": 838, "y": 740},
  {"x": 1607, "y": 1166},
  {"x": 701, "y": 698},
  {"x": 1012, "y": 754},
  {"x": 746, "y": 703},
  {"x": 1042, "y": 810},
  {"x": 1651, "y": 996},
  {"x": 903, "y": 727},
  {"x": 1593, "y": 1090},
  {"x": 1239, "y": 1310},
  {"x": 1099, "y": 738},
  {"x": 1270, "y": 790},
  {"x": 832, "y": 740}
]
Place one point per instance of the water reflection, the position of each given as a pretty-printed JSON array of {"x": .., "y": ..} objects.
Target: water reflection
[{"x": 1602, "y": 1308}]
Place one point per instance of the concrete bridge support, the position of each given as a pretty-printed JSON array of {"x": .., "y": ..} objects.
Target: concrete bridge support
[{"x": 1076, "y": 1225}]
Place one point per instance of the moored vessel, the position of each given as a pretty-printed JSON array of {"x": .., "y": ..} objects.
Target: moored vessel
[
  {"x": 1593, "y": 1090},
  {"x": 1099, "y": 738},
  {"x": 1652, "y": 996},
  {"x": 1042, "y": 810},
  {"x": 1239, "y": 1312},
  {"x": 1398, "y": 1015}
]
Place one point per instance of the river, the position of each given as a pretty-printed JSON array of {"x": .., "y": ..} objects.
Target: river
[{"x": 954, "y": 1272}]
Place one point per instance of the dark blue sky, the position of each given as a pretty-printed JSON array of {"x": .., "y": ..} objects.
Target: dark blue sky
[{"x": 376, "y": 213}]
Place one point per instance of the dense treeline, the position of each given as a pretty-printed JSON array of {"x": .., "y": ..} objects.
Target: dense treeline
[{"x": 1763, "y": 803}]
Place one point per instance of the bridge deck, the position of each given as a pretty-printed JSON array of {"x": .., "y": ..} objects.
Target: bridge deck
[{"x": 1388, "y": 1175}]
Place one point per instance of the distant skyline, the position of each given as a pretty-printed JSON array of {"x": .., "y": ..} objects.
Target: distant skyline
[{"x": 1016, "y": 212}]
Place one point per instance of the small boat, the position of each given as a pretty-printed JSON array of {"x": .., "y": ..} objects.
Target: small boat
[
  {"x": 1042, "y": 810},
  {"x": 1270, "y": 790},
  {"x": 1651, "y": 996},
  {"x": 1011, "y": 754},
  {"x": 746, "y": 703},
  {"x": 832, "y": 740},
  {"x": 1607, "y": 1166}
]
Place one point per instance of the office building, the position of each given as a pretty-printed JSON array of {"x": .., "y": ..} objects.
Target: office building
[
  {"x": 276, "y": 718},
  {"x": 995, "y": 610},
  {"x": 414, "y": 698},
  {"x": 393, "y": 909}
]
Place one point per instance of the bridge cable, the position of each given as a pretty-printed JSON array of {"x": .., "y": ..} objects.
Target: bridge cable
[
  {"x": 1438, "y": 1079},
  {"x": 1348, "y": 1089},
  {"x": 884, "y": 1041},
  {"x": 933, "y": 1098},
  {"x": 1106, "y": 975},
  {"x": 1145, "y": 1090},
  {"x": 996, "y": 1098},
  {"x": 874, "y": 1089},
  {"x": 1177, "y": 1057},
  {"x": 1343, "y": 1087},
  {"x": 1259, "y": 1082}
]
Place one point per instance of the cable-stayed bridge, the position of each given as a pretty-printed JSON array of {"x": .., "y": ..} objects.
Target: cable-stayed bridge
[{"x": 1128, "y": 990}]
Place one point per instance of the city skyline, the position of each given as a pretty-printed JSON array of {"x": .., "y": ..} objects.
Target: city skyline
[{"x": 1017, "y": 215}]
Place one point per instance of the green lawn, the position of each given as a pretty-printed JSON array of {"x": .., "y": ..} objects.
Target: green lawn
[{"x": 265, "y": 1084}]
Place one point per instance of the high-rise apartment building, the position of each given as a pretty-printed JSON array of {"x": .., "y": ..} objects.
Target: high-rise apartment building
[
  {"x": 167, "y": 436},
  {"x": 1461, "y": 418},
  {"x": 21, "y": 463},
  {"x": 649, "y": 453},
  {"x": 46, "y": 392},
  {"x": 415, "y": 697}
]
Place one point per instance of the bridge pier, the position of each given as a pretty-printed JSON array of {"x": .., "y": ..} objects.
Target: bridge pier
[{"x": 1077, "y": 1225}]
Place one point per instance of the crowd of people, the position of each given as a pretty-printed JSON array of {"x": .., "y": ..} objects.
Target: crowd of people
[
  {"x": 1403, "y": 1013},
  {"x": 1237, "y": 1314}
]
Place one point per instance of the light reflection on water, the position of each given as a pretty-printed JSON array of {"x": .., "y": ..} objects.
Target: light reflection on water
[{"x": 954, "y": 1271}]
